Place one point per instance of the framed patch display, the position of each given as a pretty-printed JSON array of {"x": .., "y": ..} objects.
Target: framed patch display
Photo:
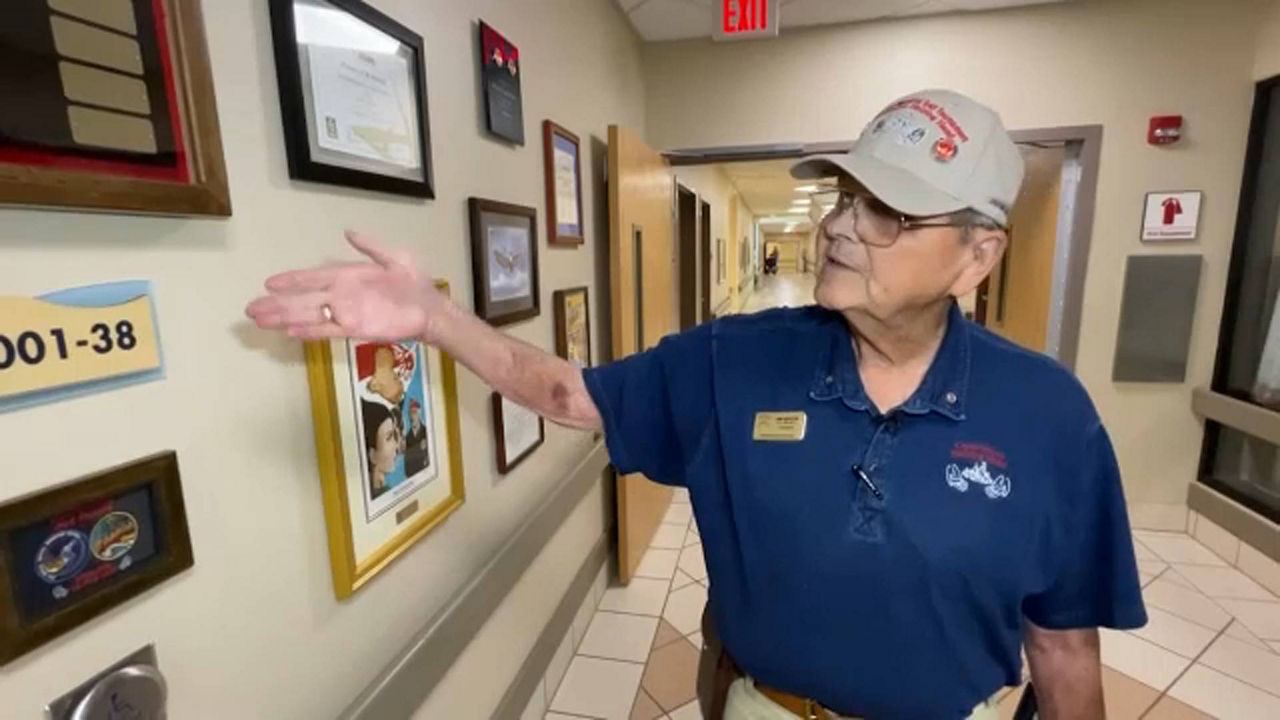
[
  {"x": 388, "y": 442},
  {"x": 353, "y": 96},
  {"x": 73, "y": 552},
  {"x": 563, "y": 169},
  {"x": 504, "y": 261},
  {"x": 500, "y": 70},
  {"x": 109, "y": 105},
  {"x": 518, "y": 431},
  {"x": 573, "y": 325}
]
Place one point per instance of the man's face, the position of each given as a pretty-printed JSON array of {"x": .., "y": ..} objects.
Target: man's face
[{"x": 863, "y": 268}]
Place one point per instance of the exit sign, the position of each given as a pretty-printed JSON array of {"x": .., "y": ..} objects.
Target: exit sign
[{"x": 741, "y": 19}]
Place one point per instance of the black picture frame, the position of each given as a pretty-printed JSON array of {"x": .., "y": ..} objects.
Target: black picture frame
[
  {"x": 500, "y": 85},
  {"x": 87, "y": 589},
  {"x": 356, "y": 172},
  {"x": 486, "y": 215}
]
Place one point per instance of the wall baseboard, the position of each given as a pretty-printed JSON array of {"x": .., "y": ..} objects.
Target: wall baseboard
[{"x": 406, "y": 682}]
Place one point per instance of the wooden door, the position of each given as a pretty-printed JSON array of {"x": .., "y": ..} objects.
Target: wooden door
[
  {"x": 1019, "y": 292},
  {"x": 642, "y": 283},
  {"x": 704, "y": 262}
]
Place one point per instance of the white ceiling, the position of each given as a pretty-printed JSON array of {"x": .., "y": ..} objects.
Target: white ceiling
[
  {"x": 766, "y": 186},
  {"x": 658, "y": 20}
]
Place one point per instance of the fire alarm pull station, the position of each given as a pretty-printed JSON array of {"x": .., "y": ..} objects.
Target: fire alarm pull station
[{"x": 1165, "y": 130}]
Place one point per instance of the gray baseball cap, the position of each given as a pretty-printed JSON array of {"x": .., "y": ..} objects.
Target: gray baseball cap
[{"x": 931, "y": 153}]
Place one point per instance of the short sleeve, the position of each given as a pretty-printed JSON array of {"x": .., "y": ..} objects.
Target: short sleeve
[
  {"x": 1096, "y": 581},
  {"x": 656, "y": 405}
]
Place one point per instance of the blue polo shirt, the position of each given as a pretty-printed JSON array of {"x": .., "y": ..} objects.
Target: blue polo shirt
[{"x": 996, "y": 497}]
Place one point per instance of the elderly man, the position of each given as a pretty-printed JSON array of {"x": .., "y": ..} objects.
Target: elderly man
[{"x": 892, "y": 501}]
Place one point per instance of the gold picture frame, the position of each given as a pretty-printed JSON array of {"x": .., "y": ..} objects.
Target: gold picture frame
[{"x": 415, "y": 512}]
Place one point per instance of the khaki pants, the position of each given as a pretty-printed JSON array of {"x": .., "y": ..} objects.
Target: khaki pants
[
  {"x": 725, "y": 694},
  {"x": 747, "y": 703}
]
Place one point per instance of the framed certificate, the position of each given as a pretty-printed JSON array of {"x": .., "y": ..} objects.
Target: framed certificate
[
  {"x": 109, "y": 105},
  {"x": 518, "y": 431},
  {"x": 353, "y": 97},
  {"x": 563, "y": 169},
  {"x": 389, "y": 448}
]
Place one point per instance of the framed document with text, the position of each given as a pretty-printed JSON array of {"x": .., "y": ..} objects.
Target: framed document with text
[
  {"x": 517, "y": 431},
  {"x": 563, "y": 169},
  {"x": 500, "y": 69},
  {"x": 353, "y": 97}
]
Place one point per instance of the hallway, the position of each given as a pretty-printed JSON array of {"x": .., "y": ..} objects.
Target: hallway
[{"x": 788, "y": 290}]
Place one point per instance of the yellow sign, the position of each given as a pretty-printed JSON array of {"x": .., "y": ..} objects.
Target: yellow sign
[
  {"x": 780, "y": 426},
  {"x": 75, "y": 337}
]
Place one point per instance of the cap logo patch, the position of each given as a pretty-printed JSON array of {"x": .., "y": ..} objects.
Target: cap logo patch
[
  {"x": 904, "y": 131},
  {"x": 937, "y": 114},
  {"x": 945, "y": 150}
]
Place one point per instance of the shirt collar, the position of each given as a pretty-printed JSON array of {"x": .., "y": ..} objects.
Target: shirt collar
[{"x": 943, "y": 390}]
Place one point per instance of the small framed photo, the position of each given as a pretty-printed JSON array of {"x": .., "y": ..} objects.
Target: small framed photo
[
  {"x": 500, "y": 70},
  {"x": 109, "y": 106},
  {"x": 353, "y": 97},
  {"x": 573, "y": 325},
  {"x": 518, "y": 431},
  {"x": 563, "y": 169},
  {"x": 70, "y": 554},
  {"x": 504, "y": 261},
  {"x": 388, "y": 442}
]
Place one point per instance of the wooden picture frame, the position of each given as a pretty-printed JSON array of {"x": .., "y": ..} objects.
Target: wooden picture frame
[
  {"x": 380, "y": 496},
  {"x": 513, "y": 433},
  {"x": 119, "y": 117},
  {"x": 504, "y": 261},
  {"x": 73, "y": 552},
  {"x": 393, "y": 154},
  {"x": 572, "y": 308},
  {"x": 562, "y": 170}
]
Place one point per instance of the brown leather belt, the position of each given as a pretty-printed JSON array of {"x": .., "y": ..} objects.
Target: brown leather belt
[{"x": 796, "y": 705}]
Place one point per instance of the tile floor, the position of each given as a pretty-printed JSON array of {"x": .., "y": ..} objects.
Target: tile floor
[{"x": 1211, "y": 650}]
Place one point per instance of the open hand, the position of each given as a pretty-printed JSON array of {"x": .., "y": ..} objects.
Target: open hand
[{"x": 387, "y": 299}]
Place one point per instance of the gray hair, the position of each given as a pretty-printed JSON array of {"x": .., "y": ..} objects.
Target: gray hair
[{"x": 970, "y": 220}]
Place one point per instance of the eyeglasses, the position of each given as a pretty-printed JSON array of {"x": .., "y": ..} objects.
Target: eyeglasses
[{"x": 875, "y": 223}]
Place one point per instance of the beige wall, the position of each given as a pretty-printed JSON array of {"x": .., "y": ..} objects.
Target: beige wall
[
  {"x": 1267, "y": 61},
  {"x": 1095, "y": 61},
  {"x": 254, "y": 630}
]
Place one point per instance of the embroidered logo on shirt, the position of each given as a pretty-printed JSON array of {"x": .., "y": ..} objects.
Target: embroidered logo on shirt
[{"x": 980, "y": 459}]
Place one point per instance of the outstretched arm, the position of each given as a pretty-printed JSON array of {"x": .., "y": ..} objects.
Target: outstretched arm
[{"x": 388, "y": 299}]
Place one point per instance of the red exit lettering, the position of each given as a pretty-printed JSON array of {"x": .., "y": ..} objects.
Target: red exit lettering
[{"x": 742, "y": 16}]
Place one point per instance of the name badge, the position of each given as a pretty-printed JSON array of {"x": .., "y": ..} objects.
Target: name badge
[{"x": 780, "y": 426}]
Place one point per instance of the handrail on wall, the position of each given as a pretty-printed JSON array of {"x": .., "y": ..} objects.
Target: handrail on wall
[{"x": 1237, "y": 414}]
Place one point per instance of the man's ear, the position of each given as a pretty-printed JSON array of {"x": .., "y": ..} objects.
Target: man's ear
[{"x": 985, "y": 248}]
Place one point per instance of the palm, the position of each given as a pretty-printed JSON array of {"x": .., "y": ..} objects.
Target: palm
[{"x": 387, "y": 299}]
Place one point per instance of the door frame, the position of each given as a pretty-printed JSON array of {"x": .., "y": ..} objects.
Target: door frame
[
  {"x": 687, "y": 254},
  {"x": 1076, "y": 215}
]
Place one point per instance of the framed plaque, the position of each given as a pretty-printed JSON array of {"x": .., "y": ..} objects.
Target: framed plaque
[
  {"x": 573, "y": 325},
  {"x": 353, "y": 96},
  {"x": 388, "y": 442},
  {"x": 517, "y": 430},
  {"x": 500, "y": 74},
  {"x": 109, "y": 105},
  {"x": 74, "y": 552},
  {"x": 563, "y": 169},
  {"x": 504, "y": 261}
]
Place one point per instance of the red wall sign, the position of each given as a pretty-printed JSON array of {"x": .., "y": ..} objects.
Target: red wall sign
[{"x": 737, "y": 19}]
